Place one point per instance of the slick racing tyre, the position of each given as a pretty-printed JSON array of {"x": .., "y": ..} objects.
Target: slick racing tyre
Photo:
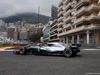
[
  {"x": 23, "y": 51},
  {"x": 33, "y": 52},
  {"x": 67, "y": 53},
  {"x": 16, "y": 52},
  {"x": 74, "y": 53}
]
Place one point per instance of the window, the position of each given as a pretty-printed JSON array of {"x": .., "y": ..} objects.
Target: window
[
  {"x": 72, "y": 21},
  {"x": 81, "y": 39},
  {"x": 90, "y": 38},
  {"x": 72, "y": 13},
  {"x": 72, "y": 0},
  {"x": 73, "y": 5}
]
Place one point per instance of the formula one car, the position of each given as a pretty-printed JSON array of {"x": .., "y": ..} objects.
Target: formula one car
[{"x": 53, "y": 47}]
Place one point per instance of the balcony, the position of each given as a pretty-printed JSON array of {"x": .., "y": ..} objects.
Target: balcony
[
  {"x": 60, "y": 14},
  {"x": 72, "y": 31},
  {"x": 67, "y": 19},
  {"x": 92, "y": 7},
  {"x": 81, "y": 2},
  {"x": 92, "y": 27},
  {"x": 53, "y": 30},
  {"x": 61, "y": 3},
  {"x": 67, "y": 26},
  {"x": 80, "y": 20},
  {"x": 87, "y": 18},
  {"x": 67, "y": 13},
  {"x": 53, "y": 35},
  {"x": 53, "y": 26},
  {"x": 60, "y": 24},
  {"x": 54, "y": 39},
  {"x": 60, "y": 8},
  {"x": 93, "y": 17},
  {"x": 60, "y": 19},
  {"x": 59, "y": 29},
  {"x": 67, "y": 1},
  {"x": 69, "y": 5}
]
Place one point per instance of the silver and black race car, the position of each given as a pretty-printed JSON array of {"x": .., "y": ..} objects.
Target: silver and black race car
[{"x": 52, "y": 47}]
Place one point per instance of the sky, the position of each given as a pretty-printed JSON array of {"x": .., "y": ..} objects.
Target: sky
[{"x": 12, "y": 7}]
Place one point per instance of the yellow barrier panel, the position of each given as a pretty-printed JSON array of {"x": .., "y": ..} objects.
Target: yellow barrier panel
[{"x": 9, "y": 44}]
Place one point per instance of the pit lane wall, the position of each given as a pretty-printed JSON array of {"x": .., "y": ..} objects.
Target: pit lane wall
[{"x": 9, "y": 44}]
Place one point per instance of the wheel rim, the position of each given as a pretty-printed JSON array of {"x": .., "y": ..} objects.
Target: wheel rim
[
  {"x": 68, "y": 52},
  {"x": 21, "y": 51}
]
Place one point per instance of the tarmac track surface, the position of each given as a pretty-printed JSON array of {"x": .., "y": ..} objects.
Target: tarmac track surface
[{"x": 85, "y": 63}]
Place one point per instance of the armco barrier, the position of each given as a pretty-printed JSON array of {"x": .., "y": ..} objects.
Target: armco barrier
[{"x": 9, "y": 44}]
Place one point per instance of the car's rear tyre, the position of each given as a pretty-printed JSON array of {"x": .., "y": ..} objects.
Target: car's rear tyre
[
  {"x": 67, "y": 53},
  {"x": 33, "y": 52},
  {"x": 23, "y": 51},
  {"x": 16, "y": 52},
  {"x": 37, "y": 53},
  {"x": 74, "y": 53}
]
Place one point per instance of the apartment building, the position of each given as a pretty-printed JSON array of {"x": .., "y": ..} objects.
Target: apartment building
[
  {"x": 60, "y": 19},
  {"x": 79, "y": 21},
  {"x": 46, "y": 32},
  {"x": 54, "y": 12},
  {"x": 12, "y": 33},
  {"x": 54, "y": 31}
]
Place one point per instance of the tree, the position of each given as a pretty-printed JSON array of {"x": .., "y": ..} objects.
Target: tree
[{"x": 36, "y": 37}]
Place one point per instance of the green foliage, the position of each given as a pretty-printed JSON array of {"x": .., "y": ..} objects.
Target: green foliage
[{"x": 36, "y": 37}]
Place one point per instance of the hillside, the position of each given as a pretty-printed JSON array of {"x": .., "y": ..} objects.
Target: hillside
[{"x": 29, "y": 17}]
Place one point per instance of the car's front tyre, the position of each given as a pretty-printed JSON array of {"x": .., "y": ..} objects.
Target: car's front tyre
[{"x": 23, "y": 51}]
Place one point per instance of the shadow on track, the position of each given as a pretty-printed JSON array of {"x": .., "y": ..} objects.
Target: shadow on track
[{"x": 52, "y": 55}]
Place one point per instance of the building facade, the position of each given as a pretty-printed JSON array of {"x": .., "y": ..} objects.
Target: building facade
[
  {"x": 2, "y": 23},
  {"x": 33, "y": 30},
  {"x": 46, "y": 33},
  {"x": 23, "y": 35},
  {"x": 54, "y": 31},
  {"x": 54, "y": 12},
  {"x": 12, "y": 33},
  {"x": 79, "y": 21}
]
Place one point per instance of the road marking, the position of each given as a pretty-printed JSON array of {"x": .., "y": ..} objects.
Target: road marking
[
  {"x": 90, "y": 49},
  {"x": 2, "y": 49},
  {"x": 9, "y": 50}
]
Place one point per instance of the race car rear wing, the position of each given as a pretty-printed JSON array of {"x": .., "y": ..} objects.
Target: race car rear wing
[{"x": 78, "y": 45}]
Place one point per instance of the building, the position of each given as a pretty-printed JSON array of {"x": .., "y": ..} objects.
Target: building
[
  {"x": 23, "y": 35},
  {"x": 33, "y": 30},
  {"x": 2, "y": 23},
  {"x": 79, "y": 21},
  {"x": 46, "y": 32},
  {"x": 60, "y": 19},
  {"x": 54, "y": 31},
  {"x": 54, "y": 12},
  {"x": 12, "y": 33}
]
